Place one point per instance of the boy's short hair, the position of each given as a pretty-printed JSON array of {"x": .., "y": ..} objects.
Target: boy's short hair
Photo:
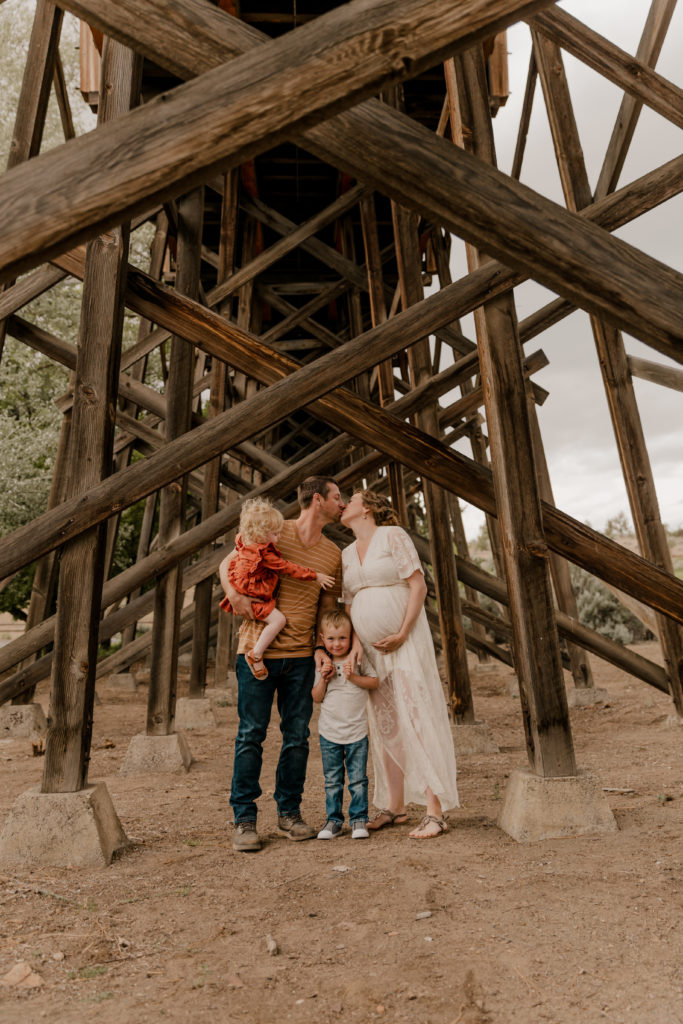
[{"x": 335, "y": 617}]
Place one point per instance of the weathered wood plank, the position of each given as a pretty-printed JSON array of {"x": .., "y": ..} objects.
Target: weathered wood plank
[
  {"x": 575, "y": 541},
  {"x": 454, "y": 651},
  {"x": 649, "y": 47},
  {"x": 667, "y": 376},
  {"x": 168, "y": 593},
  {"x": 629, "y": 73},
  {"x": 569, "y": 256},
  {"x": 536, "y": 649},
  {"x": 609, "y": 343},
  {"x": 338, "y": 60},
  {"x": 81, "y": 573}
]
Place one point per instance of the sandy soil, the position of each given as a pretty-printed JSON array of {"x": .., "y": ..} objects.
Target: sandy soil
[{"x": 470, "y": 928}]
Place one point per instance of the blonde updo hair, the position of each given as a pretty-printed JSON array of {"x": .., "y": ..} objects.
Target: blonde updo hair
[
  {"x": 258, "y": 518},
  {"x": 379, "y": 508}
]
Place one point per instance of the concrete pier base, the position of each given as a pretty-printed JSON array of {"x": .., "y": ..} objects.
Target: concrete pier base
[
  {"x": 535, "y": 808},
  {"x": 22, "y": 720},
  {"x": 156, "y": 754},
  {"x": 58, "y": 829},
  {"x": 124, "y": 682},
  {"x": 474, "y": 738},
  {"x": 585, "y": 696},
  {"x": 195, "y": 713}
]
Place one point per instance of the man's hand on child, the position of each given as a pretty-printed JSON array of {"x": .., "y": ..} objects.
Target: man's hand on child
[
  {"x": 324, "y": 580},
  {"x": 323, "y": 663},
  {"x": 241, "y": 605}
]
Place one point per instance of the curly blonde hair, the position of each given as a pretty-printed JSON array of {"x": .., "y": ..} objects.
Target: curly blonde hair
[
  {"x": 379, "y": 507},
  {"x": 258, "y": 518}
]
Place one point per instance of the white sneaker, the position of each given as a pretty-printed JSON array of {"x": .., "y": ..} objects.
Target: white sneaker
[
  {"x": 359, "y": 831},
  {"x": 332, "y": 830}
]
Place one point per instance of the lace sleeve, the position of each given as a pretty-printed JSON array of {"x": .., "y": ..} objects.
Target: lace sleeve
[{"x": 403, "y": 552}]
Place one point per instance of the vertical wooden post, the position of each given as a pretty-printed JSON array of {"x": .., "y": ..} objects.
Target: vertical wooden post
[
  {"x": 443, "y": 557},
  {"x": 559, "y": 568},
  {"x": 45, "y": 576},
  {"x": 633, "y": 454},
  {"x": 82, "y": 566},
  {"x": 378, "y": 313},
  {"x": 169, "y": 589},
  {"x": 203, "y": 591},
  {"x": 536, "y": 645}
]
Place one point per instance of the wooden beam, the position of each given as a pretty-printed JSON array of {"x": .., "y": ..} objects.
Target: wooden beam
[
  {"x": 536, "y": 650},
  {"x": 290, "y": 241},
  {"x": 81, "y": 572},
  {"x": 609, "y": 343},
  {"x": 667, "y": 376},
  {"x": 187, "y": 134},
  {"x": 629, "y": 73},
  {"x": 429, "y": 457},
  {"x": 328, "y": 256},
  {"x": 649, "y": 47},
  {"x": 168, "y": 593},
  {"x": 564, "y": 252}
]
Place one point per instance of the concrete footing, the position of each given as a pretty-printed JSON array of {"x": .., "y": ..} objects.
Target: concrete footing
[
  {"x": 21, "y": 720},
  {"x": 122, "y": 681},
  {"x": 58, "y": 829},
  {"x": 474, "y": 738},
  {"x": 585, "y": 696},
  {"x": 156, "y": 754},
  {"x": 195, "y": 713},
  {"x": 535, "y": 808}
]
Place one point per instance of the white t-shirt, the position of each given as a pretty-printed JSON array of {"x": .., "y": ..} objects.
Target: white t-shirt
[{"x": 343, "y": 712}]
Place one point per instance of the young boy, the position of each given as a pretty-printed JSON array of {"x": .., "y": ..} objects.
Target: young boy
[{"x": 343, "y": 729}]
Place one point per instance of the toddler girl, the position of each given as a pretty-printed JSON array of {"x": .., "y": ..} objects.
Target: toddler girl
[{"x": 254, "y": 571}]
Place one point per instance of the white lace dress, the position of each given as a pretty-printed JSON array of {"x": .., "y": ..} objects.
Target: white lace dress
[{"x": 407, "y": 714}]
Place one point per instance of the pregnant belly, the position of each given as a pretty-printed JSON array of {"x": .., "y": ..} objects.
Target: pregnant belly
[{"x": 377, "y": 612}]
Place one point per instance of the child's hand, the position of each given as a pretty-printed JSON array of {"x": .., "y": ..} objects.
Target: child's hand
[
  {"x": 324, "y": 580},
  {"x": 349, "y": 665}
]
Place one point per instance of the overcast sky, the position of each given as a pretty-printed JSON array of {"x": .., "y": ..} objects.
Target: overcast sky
[{"x": 575, "y": 422}]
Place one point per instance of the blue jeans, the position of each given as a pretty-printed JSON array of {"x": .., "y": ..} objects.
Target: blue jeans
[
  {"x": 291, "y": 679},
  {"x": 356, "y": 757}
]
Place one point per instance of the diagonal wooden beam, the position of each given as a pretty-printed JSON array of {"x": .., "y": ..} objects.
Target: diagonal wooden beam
[
  {"x": 502, "y": 217},
  {"x": 187, "y": 134},
  {"x": 294, "y": 238},
  {"x": 295, "y": 387},
  {"x": 325, "y": 253},
  {"x": 649, "y": 48},
  {"x": 629, "y": 73}
]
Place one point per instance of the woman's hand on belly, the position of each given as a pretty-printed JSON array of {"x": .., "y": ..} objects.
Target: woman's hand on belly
[{"x": 389, "y": 643}]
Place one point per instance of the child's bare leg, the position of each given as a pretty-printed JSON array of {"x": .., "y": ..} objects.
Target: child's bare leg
[{"x": 275, "y": 622}]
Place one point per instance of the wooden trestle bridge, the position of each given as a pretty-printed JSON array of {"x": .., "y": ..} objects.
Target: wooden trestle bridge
[{"x": 306, "y": 167}]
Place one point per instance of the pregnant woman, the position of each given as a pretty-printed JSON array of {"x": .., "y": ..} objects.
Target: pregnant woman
[{"x": 384, "y": 591}]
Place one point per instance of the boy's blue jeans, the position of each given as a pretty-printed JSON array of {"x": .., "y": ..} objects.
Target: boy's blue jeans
[
  {"x": 291, "y": 679},
  {"x": 356, "y": 757}
]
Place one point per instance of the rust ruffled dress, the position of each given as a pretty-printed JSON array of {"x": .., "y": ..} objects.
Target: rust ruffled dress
[{"x": 255, "y": 571}]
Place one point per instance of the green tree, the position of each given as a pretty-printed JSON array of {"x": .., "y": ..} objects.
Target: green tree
[{"x": 30, "y": 382}]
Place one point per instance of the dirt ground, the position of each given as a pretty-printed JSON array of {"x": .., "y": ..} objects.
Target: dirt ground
[{"x": 469, "y": 928}]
